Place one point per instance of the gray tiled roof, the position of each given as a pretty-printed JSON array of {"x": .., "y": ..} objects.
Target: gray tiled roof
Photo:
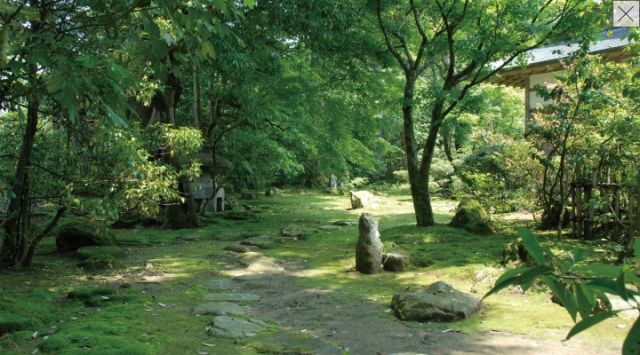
[{"x": 612, "y": 39}]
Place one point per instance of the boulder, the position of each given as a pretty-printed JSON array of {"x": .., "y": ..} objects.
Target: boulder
[
  {"x": 470, "y": 215},
  {"x": 235, "y": 327},
  {"x": 396, "y": 262},
  {"x": 369, "y": 246},
  {"x": 77, "y": 234},
  {"x": 363, "y": 199},
  {"x": 439, "y": 302}
]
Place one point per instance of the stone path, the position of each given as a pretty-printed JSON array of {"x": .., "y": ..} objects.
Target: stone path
[{"x": 261, "y": 299}]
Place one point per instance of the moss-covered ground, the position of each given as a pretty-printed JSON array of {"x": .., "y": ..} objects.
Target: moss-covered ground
[{"x": 143, "y": 303}]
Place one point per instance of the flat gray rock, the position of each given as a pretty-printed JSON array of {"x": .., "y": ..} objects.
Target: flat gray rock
[
  {"x": 219, "y": 284},
  {"x": 235, "y": 327},
  {"x": 438, "y": 302},
  {"x": 260, "y": 241},
  {"x": 232, "y": 297},
  {"x": 218, "y": 309}
]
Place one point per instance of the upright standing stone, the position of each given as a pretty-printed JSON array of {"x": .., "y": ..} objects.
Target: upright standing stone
[{"x": 369, "y": 247}]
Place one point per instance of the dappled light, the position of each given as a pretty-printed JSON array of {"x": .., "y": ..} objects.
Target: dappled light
[{"x": 319, "y": 177}]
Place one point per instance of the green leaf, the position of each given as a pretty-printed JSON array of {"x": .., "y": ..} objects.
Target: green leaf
[
  {"x": 506, "y": 279},
  {"x": 250, "y": 3},
  {"x": 621, "y": 288},
  {"x": 532, "y": 245},
  {"x": 115, "y": 117},
  {"x": 632, "y": 342},
  {"x": 585, "y": 301},
  {"x": 604, "y": 284},
  {"x": 559, "y": 290},
  {"x": 526, "y": 279},
  {"x": 588, "y": 322},
  {"x": 207, "y": 50}
]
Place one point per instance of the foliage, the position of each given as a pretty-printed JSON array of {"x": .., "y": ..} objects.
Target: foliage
[
  {"x": 582, "y": 289},
  {"x": 589, "y": 128}
]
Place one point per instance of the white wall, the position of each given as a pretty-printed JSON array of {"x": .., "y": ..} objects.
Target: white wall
[{"x": 540, "y": 79}]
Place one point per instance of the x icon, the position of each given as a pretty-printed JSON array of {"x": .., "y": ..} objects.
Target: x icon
[{"x": 625, "y": 13}]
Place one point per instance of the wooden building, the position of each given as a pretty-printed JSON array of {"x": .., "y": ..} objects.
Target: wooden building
[{"x": 543, "y": 64}]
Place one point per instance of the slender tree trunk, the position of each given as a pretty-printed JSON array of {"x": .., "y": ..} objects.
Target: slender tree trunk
[
  {"x": 197, "y": 103},
  {"x": 16, "y": 226},
  {"x": 419, "y": 190}
]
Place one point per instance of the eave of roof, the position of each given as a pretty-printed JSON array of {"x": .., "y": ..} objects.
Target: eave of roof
[{"x": 548, "y": 58}]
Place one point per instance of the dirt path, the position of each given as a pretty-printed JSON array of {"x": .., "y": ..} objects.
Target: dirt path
[{"x": 360, "y": 326}]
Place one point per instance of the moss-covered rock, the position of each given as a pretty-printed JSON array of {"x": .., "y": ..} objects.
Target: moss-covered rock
[
  {"x": 470, "y": 215},
  {"x": 77, "y": 234}
]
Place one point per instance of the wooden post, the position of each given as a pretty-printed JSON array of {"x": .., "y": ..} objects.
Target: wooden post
[
  {"x": 579, "y": 202},
  {"x": 527, "y": 104}
]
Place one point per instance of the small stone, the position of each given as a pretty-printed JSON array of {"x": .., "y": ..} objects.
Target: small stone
[{"x": 396, "y": 262}]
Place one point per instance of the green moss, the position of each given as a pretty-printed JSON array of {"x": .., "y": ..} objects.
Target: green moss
[
  {"x": 100, "y": 251},
  {"x": 96, "y": 296},
  {"x": 470, "y": 215},
  {"x": 98, "y": 336},
  {"x": 10, "y": 322}
]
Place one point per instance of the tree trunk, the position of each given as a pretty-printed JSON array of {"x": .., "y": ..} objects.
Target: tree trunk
[
  {"x": 197, "y": 102},
  {"x": 419, "y": 189},
  {"x": 16, "y": 226},
  {"x": 179, "y": 215}
]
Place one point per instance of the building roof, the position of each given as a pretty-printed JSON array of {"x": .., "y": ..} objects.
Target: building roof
[
  {"x": 547, "y": 58},
  {"x": 616, "y": 38}
]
